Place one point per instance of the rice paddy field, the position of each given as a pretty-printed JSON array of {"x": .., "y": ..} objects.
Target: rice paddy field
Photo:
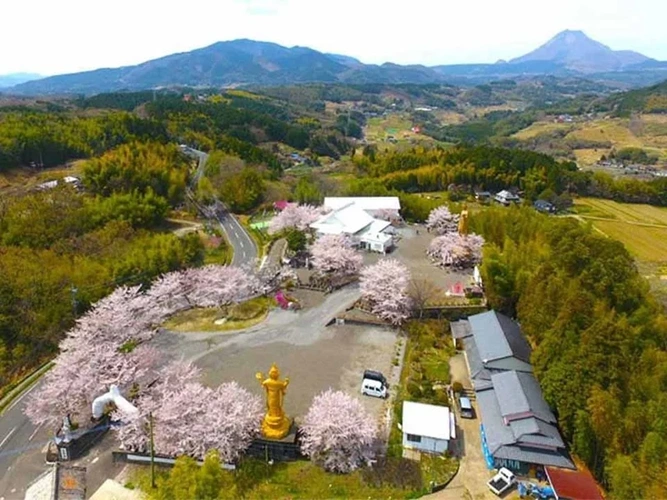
[{"x": 641, "y": 228}]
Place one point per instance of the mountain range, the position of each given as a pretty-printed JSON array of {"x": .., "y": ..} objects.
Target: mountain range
[
  {"x": 248, "y": 63},
  {"x": 16, "y": 78}
]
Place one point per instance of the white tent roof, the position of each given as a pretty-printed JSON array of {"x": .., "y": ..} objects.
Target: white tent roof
[
  {"x": 426, "y": 420},
  {"x": 364, "y": 202}
]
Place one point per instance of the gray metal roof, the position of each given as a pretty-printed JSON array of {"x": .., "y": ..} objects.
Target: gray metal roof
[
  {"x": 498, "y": 337},
  {"x": 474, "y": 360},
  {"x": 524, "y": 438},
  {"x": 519, "y": 392},
  {"x": 460, "y": 329},
  {"x": 533, "y": 456},
  {"x": 497, "y": 433}
]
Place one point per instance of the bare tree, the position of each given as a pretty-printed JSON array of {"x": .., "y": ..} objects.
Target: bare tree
[{"x": 422, "y": 291}]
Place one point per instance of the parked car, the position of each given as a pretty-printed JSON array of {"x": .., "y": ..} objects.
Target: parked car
[
  {"x": 375, "y": 388},
  {"x": 502, "y": 482},
  {"x": 467, "y": 410},
  {"x": 375, "y": 375}
]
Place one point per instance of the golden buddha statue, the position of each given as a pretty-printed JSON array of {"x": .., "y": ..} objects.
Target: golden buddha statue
[
  {"x": 463, "y": 221},
  {"x": 275, "y": 425}
]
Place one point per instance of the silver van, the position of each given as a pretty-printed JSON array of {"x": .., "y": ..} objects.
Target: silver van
[{"x": 374, "y": 388}]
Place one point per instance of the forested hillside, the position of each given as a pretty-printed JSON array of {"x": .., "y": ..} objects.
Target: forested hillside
[
  {"x": 600, "y": 340},
  {"x": 465, "y": 168}
]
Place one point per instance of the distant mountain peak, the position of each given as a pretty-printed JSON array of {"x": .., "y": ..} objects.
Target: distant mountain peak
[{"x": 575, "y": 50}]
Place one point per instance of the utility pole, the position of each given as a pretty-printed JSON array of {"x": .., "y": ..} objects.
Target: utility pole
[{"x": 150, "y": 426}]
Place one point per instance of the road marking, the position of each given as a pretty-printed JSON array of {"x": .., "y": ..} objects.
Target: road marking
[
  {"x": 34, "y": 432},
  {"x": 241, "y": 242},
  {"x": 20, "y": 398},
  {"x": 7, "y": 437},
  {"x": 243, "y": 253}
]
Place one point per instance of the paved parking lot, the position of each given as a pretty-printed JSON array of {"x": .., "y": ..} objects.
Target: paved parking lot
[
  {"x": 413, "y": 241},
  {"x": 314, "y": 356}
]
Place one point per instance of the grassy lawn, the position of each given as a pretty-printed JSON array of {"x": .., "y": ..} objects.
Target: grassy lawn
[
  {"x": 304, "y": 480},
  {"x": 239, "y": 316}
]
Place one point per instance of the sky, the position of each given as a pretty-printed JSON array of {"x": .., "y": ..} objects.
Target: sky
[{"x": 63, "y": 36}]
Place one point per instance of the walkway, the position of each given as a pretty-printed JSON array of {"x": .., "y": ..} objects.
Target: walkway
[{"x": 470, "y": 482}]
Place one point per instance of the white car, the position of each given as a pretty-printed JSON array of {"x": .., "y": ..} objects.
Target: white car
[{"x": 374, "y": 388}]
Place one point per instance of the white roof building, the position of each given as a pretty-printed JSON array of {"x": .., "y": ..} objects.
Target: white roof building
[
  {"x": 355, "y": 218},
  {"x": 364, "y": 202},
  {"x": 505, "y": 197},
  {"x": 426, "y": 427},
  {"x": 347, "y": 219}
]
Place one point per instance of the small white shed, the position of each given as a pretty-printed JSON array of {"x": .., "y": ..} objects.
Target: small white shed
[{"x": 427, "y": 428}]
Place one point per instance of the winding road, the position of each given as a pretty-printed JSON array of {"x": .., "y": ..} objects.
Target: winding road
[{"x": 245, "y": 249}]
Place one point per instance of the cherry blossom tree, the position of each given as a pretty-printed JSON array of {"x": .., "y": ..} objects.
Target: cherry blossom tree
[
  {"x": 107, "y": 346},
  {"x": 384, "y": 286},
  {"x": 441, "y": 220},
  {"x": 110, "y": 343},
  {"x": 191, "y": 419},
  {"x": 338, "y": 433},
  {"x": 333, "y": 254},
  {"x": 295, "y": 216},
  {"x": 456, "y": 250}
]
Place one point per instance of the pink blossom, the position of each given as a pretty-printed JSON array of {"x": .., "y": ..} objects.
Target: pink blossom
[
  {"x": 385, "y": 287},
  {"x": 108, "y": 345},
  {"x": 190, "y": 419},
  {"x": 333, "y": 254},
  {"x": 454, "y": 249},
  {"x": 295, "y": 216},
  {"x": 441, "y": 220},
  {"x": 338, "y": 433}
]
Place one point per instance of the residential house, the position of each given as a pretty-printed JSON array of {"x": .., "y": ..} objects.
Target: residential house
[
  {"x": 506, "y": 198},
  {"x": 493, "y": 343},
  {"x": 518, "y": 428},
  {"x": 482, "y": 195},
  {"x": 427, "y": 428},
  {"x": 544, "y": 206}
]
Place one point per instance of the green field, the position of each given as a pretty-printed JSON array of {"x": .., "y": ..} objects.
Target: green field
[{"x": 641, "y": 228}]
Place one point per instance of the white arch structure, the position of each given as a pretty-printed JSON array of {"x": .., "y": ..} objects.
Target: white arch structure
[{"x": 113, "y": 396}]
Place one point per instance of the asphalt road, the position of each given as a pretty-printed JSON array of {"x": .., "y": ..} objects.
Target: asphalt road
[
  {"x": 22, "y": 445},
  {"x": 245, "y": 250}
]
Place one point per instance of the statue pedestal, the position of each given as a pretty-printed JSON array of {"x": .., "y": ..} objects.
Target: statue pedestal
[
  {"x": 279, "y": 450},
  {"x": 275, "y": 427}
]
